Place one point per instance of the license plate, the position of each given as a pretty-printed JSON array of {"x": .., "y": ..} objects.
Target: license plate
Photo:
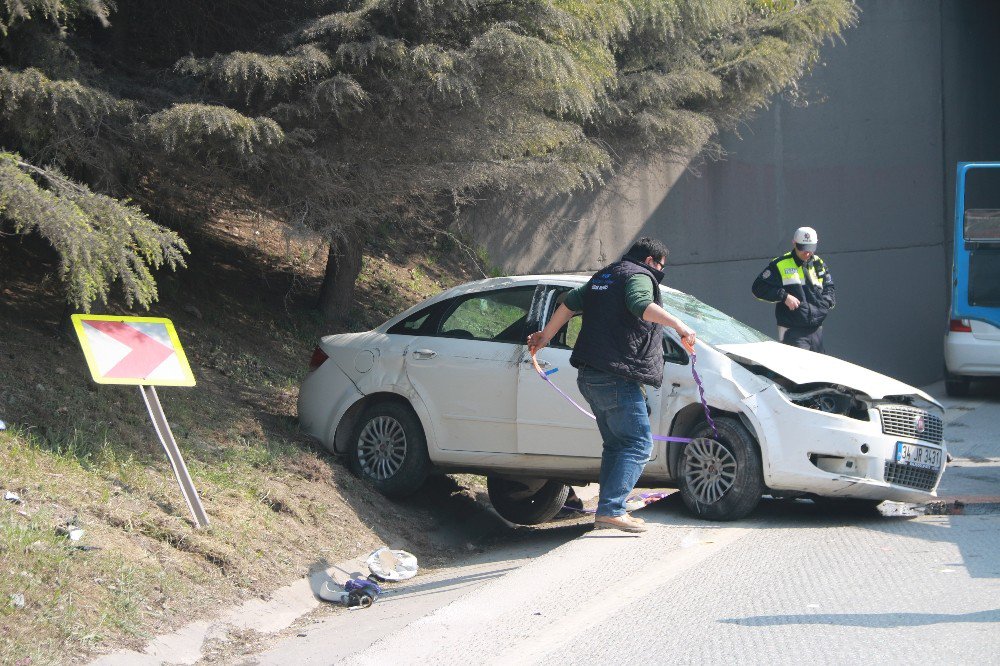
[{"x": 914, "y": 455}]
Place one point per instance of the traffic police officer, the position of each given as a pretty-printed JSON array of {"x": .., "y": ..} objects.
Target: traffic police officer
[{"x": 801, "y": 287}]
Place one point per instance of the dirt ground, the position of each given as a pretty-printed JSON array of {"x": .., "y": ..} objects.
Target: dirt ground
[{"x": 80, "y": 454}]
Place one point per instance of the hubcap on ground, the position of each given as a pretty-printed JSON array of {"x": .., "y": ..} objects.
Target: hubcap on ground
[
  {"x": 710, "y": 471},
  {"x": 382, "y": 447}
]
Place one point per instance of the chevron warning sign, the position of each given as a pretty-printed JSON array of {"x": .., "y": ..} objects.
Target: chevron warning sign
[{"x": 133, "y": 350}]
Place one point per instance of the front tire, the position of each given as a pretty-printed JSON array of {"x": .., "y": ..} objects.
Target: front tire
[
  {"x": 721, "y": 476},
  {"x": 526, "y": 501},
  {"x": 389, "y": 450}
]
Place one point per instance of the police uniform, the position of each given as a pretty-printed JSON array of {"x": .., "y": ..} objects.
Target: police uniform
[{"x": 811, "y": 283}]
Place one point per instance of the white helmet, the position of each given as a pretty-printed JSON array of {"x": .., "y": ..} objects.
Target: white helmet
[{"x": 805, "y": 239}]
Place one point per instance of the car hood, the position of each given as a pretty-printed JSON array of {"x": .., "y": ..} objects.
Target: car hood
[{"x": 806, "y": 367}]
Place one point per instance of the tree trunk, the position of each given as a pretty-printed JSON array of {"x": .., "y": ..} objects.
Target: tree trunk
[{"x": 343, "y": 265}]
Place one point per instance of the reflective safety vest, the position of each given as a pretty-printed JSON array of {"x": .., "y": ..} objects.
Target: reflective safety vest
[
  {"x": 792, "y": 273},
  {"x": 810, "y": 282}
]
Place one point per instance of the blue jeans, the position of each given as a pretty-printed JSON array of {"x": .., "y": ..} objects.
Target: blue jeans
[{"x": 620, "y": 408}]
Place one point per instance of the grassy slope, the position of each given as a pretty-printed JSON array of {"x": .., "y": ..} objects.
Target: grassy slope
[{"x": 78, "y": 452}]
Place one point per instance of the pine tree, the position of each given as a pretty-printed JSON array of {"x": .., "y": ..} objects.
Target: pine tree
[
  {"x": 340, "y": 115},
  {"x": 397, "y": 107}
]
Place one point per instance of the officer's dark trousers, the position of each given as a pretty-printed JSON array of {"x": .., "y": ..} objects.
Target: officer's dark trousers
[{"x": 806, "y": 337}]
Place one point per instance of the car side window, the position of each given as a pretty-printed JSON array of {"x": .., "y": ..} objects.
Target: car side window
[
  {"x": 420, "y": 322},
  {"x": 568, "y": 334},
  {"x": 673, "y": 352},
  {"x": 495, "y": 316}
]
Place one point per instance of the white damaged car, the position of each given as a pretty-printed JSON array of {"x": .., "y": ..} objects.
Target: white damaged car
[{"x": 448, "y": 386}]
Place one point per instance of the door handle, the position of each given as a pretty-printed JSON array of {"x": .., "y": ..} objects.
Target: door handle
[
  {"x": 541, "y": 364},
  {"x": 424, "y": 353}
]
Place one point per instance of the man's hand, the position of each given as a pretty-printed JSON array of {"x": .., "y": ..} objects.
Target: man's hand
[
  {"x": 537, "y": 341},
  {"x": 791, "y": 302},
  {"x": 688, "y": 336}
]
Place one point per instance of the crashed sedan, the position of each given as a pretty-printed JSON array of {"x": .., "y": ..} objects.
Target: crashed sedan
[{"x": 448, "y": 386}]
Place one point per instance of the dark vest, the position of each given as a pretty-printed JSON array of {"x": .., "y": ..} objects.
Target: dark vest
[{"x": 612, "y": 338}]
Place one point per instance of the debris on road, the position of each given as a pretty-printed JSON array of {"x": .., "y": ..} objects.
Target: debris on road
[
  {"x": 384, "y": 564},
  {"x": 392, "y": 565},
  {"x": 356, "y": 593}
]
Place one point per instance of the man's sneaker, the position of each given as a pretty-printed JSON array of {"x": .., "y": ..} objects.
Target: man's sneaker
[{"x": 625, "y": 523}]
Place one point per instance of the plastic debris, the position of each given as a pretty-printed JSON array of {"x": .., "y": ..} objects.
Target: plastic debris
[
  {"x": 362, "y": 592},
  {"x": 17, "y": 600},
  {"x": 3, "y": 426},
  {"x": 356, "y": 593},
  {"x": 392, "y": 565},
  {"x": 70, "y": 530},
  {"x": 332, "y": 592},
  {"x": 11, "y": 496}
]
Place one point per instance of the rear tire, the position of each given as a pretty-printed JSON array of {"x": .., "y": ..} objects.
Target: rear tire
[
  {"x": 526, "y": 501},
  {"x": 721, "y": 476},
  {"x": 389, "y": 450},
  {"x": 956, "y": 386}
]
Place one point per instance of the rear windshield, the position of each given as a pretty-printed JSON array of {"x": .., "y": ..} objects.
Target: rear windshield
[
  {"x": 984, "y": 277},
  {"x": 711, "y": 325}
]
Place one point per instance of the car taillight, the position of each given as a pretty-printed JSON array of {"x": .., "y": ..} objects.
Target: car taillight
[
  {"x": 317, "y": 359},
  {"x": 960, "y": 326}
]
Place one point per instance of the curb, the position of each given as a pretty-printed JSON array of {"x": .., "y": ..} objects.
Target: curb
[{"x": 277, "y": 612}]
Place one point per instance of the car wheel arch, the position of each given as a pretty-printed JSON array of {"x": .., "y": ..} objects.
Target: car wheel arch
[
  {"x": 688, "y": 418},
  {"x": 342, "y": 434}
]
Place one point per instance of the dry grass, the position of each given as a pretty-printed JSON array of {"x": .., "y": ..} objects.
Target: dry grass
[{"x": 82, "y": 453}]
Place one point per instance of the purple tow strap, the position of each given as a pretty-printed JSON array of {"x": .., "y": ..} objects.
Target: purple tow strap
[
  {"x": 701, "y": 394},
  {"x": 544, "y": 374}
]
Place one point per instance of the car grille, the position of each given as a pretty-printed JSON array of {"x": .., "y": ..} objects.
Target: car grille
[
  {"x": 902, "y": 421},
  {"x": 911, "y": 477}
]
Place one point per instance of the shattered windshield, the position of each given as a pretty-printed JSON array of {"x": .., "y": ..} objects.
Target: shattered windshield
[{"x": 711, "y": 325}]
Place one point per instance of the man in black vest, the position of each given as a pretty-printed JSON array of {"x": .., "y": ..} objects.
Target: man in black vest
[{"x": 619, "y": 349}]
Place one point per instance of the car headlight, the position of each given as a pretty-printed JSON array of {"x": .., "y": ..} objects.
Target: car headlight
[{"x": 831, "y": 399}]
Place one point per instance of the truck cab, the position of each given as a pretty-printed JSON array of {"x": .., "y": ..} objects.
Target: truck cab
[{"x": 972, "y": 342}]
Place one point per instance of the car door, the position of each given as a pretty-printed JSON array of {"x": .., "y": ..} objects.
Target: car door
[
  {"x": 466, "y": 370},
  {"x": 547, "y": 423}
]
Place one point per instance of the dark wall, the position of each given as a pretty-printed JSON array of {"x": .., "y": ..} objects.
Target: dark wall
[{"x": 868, "y": 162}]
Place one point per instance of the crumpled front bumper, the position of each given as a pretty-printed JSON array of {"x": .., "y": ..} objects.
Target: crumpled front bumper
[{"x": 805, "y": 450}]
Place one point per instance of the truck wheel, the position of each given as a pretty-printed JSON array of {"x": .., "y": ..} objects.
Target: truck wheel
[
  {"x": 721, "y": 476},
  {"x": 388, "y": 449},
  {"x": 526, "y": 501}
]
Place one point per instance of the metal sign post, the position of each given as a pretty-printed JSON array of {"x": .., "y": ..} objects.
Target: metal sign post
[
  {"x": 144, "y": 351},
  {"x": 174, "y": 455}
]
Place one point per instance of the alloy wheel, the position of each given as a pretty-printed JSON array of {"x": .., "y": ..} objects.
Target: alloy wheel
[
  {"x": 381, "y": 447},
  {"x": 710, "y": 470}
]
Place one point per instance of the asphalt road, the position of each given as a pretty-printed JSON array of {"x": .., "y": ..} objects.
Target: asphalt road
[{"x": 793, "y": 584}]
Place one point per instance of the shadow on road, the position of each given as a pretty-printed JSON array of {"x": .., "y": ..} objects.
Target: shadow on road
[{"x": 867, "y": 620}]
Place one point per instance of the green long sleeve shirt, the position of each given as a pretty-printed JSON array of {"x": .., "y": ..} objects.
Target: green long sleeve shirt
[{"x": 638, "y": 295}]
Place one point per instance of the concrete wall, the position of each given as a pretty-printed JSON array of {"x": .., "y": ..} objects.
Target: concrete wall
[{"x": 868, "y": 163}]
